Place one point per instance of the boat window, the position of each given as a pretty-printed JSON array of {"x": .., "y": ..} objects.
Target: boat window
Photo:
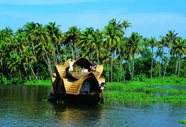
[{"x": 85, "y": 86}]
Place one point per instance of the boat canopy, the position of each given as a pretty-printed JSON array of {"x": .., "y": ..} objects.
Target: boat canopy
[{"x": 83, "y": 62}]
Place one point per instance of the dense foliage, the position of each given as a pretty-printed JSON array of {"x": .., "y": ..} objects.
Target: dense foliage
[
  {"x": 32, "y": 51},
  {"x": 148, "y": 92}
]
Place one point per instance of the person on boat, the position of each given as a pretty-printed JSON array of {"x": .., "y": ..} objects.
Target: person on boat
[
  {"x": 93, "y": 66},
  {"x": 71, "y": 65},
  {"x": 84, "y": 70},
  {"x": 100, "y": 89}
]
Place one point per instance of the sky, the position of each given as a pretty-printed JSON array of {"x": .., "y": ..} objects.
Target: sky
[{"x": 148, "y": 17}]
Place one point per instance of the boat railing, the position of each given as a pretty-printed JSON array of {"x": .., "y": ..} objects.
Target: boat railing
[{"x": 81, "y": 74}]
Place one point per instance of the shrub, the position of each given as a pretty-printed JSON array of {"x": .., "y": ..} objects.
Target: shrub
[
  {"x": 4, "y": 80},
  {"x": 17, "y": 81},
  {"x": 141, "y": 77}
]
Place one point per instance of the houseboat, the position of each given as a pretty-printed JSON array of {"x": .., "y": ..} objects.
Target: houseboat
[{"x": 77, "y": 86}]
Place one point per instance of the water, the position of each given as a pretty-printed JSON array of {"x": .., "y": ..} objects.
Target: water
[
  {"x": 170, "y": 87},
  {"x": 22, "y": 106}
]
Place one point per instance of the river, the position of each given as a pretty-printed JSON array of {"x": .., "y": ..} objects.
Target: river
[{"x": 22, "y": 105}]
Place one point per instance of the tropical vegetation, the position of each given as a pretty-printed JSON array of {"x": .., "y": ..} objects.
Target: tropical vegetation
[
  {"x": 31, "y": 52},
  {"x": 170, "y": 91}
]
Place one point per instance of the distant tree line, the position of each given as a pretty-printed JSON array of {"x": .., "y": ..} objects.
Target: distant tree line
[{"x": 32, "y": 52}]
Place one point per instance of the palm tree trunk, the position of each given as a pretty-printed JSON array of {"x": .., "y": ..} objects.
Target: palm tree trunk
[
  {"x": 24, "y": 76},
  {"x": 108, "y": 71},
  {"x": 2, "y": 67},
  {"x": 166, "y": 64},
  {"x": 24, "y": 65},
  {"x": 115, "y": 70},
  {"x": 76, "y": 50},
  {"x": 20, "y": 73},
  {"x": 33, "y": 73},
  {"x": 58, "y": 52},
  {"x": 179, "y": 66},
  {"x": 176, "y": 66},
  {"x": 161, "y": 62},
  {"x": 151, "y": 66},
  {"x": 9, "y": 75},
  {"x": 72, "y": 52},
  {"x": 28, "y": 69},
  {"x": 111, "y": 66},
  {"x": 90, "y": 57},
  {"x": 65, "y": 53},
  {"x": 33, "y": 49},
  {"x": 160, "y": 66},
  {"x": 37, "y": 73},
  {"x": 133, "y": 67},
  {"x": 129, "y": 69},
  {"x": 120, "y": 67},
  {"x": 48, "y": 61},
  {"x": 123, "y": 74},
  {"x": 97, "y": 57},
  {"x": 54, "y": 58}
]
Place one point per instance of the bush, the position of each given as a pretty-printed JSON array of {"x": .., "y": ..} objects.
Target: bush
[
  {"x": 4, "y": 80},
  {"x": 141, "y": 77},
  {"x": 18, "y": 81}
]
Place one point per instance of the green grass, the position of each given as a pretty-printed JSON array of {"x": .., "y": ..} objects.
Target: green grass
[
  {"x": 143, "y": 92},
  {"x": 41, "y": 82}
]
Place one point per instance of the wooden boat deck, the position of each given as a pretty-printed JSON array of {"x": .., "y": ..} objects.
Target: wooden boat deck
[{"x": 78, "y": 75}]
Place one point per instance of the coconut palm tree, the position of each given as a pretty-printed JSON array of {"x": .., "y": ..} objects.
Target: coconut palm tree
[
  {"x": 120, "y": 53},
  {"x": 97, "y": 41},
  {"x": 106, "y": 60},
  {"x": 54, "y": 34},
  {"x": 145, "y": 42},
  {"x": 86, "y": 42},
  {"x": 73, "y": 35},
  {"x": 2, "y": 54},
  {"x": 152, "y": 43},
  {"x": 159, "y": 53},
  {"x": 42, "y": 37},
  {"x": 113, "y": 33},
  {"x": 30, "y": 29},
  {"x": 20, "y": 43},
  {"x": 126, "y": 25},
  {"x": 134, "y": 45},
  {"x": 6, "y": 40},
  {"x": 184, "y": 61},
  {"x": 170, "y": 39},
  {"x": 179, "y": 47},
  {"x": 2, "y": 49},
  {"x": 29, "y": 58},
  {"x": 9, "y": 31}
]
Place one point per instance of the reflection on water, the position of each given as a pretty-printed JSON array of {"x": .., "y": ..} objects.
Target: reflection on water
[
  {"x": 22, "y": 106},
  {"x": 159, "y": 94},
  {"x": 170, "y": 87},
  {"x": 78, "y": 115}
]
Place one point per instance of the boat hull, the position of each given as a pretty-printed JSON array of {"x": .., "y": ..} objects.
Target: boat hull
[{"x": 85, "y": 99}]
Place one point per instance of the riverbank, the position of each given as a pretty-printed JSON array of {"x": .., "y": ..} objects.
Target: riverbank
[
  {"x": 136, "y": 91},
  {"x": 41, "y": 82},
  {"x": 19, "y": 81},
  {"x": 148, "y": 92}
]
